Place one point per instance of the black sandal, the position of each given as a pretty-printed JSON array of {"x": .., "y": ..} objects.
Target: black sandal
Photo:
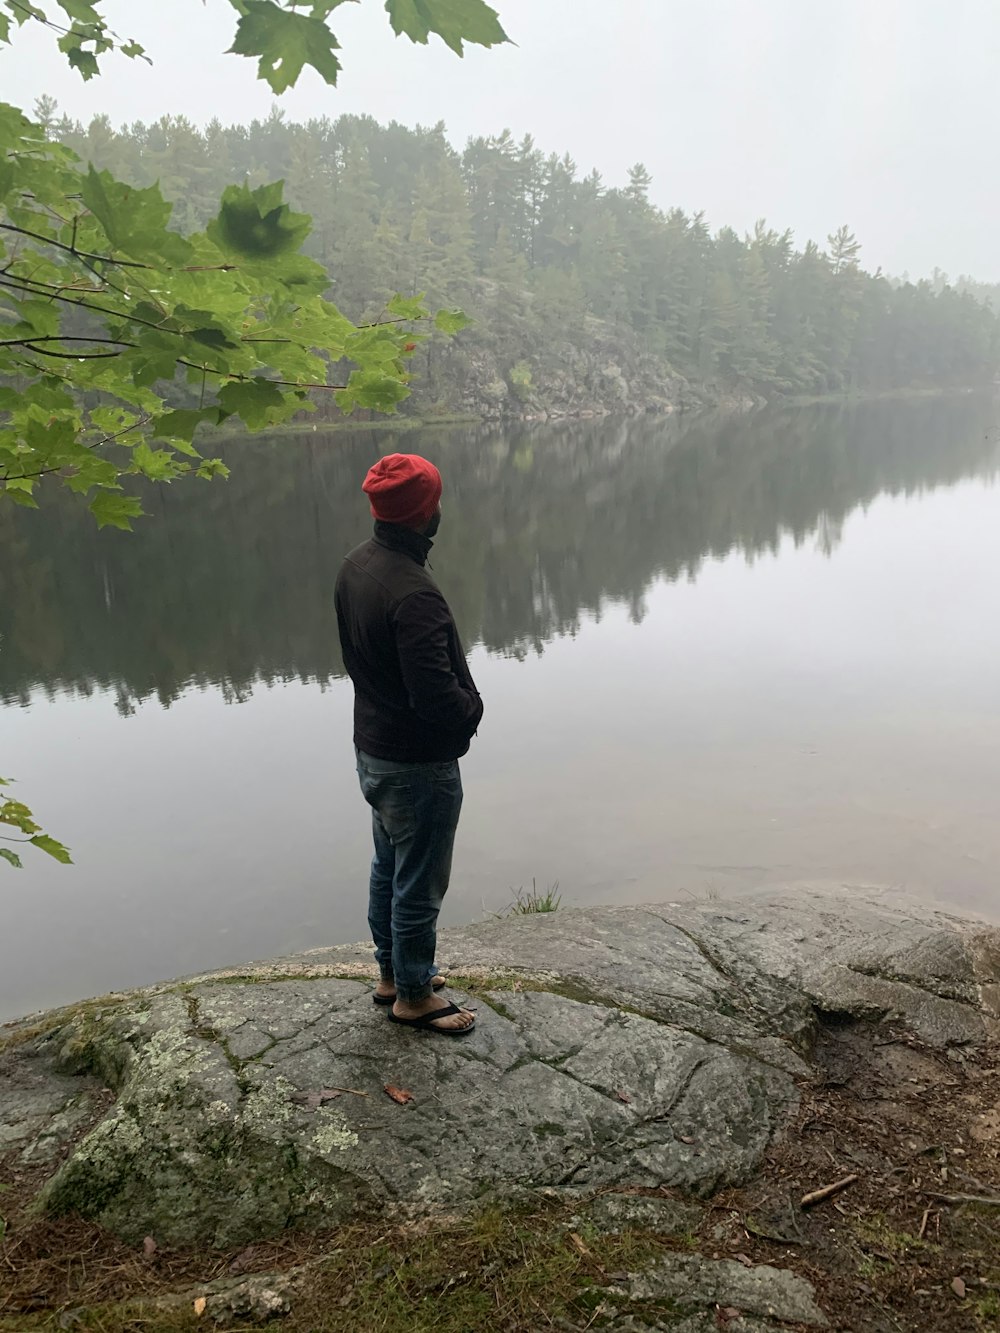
[
  {"x": 429, "y": 1021},
  {"x": 437, "y": 983}
]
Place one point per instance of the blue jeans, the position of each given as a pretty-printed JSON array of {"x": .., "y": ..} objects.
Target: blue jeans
[{"x": 415, "y": 809}]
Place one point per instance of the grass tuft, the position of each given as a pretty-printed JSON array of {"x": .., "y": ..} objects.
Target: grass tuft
[{"x": 526, "y": 902}]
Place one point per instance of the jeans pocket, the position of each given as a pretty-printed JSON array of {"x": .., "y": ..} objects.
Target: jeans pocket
[
  {"x": 393, "y": 799},
  {"x": 446, "y": 782}
]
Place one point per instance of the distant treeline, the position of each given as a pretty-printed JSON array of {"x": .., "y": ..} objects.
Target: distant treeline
[{"x": 400, "y": 209}]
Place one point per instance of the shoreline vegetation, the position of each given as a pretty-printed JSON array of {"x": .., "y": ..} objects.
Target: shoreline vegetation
[
  {"x": 424, "y": 420},
  {"x": 585, "y": 297}
]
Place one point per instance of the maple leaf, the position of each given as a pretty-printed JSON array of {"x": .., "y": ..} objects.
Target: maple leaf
[
  {"x": 399, "y": 1095},
  {"x": 454, "y": 21},
  {"x": 285, "y": 42}
]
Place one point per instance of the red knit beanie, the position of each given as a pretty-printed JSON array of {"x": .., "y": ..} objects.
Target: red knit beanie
[{"x": 404, "y": 489}]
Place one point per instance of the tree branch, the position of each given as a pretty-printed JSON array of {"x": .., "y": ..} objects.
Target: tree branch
[
  {"x": 53, "y": 292},
  {"x": 61, "y": 338},
  {"x": 235, "y": 375},
  {"x": 77, "y": 254},
  {"x": 69, "y": 356},
  {"x": 84, "y": 255},
  {"x": 42, "y": 18}
]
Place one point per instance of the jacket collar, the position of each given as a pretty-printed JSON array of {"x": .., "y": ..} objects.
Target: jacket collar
[{"x": 398, "y": 538}]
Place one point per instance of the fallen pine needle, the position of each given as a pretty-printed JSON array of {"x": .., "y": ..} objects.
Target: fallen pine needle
[
  {"x": 817, "y": 1196},
  {"x": 989, "y": 1200},
  {"x": 923, "y": 1224}
]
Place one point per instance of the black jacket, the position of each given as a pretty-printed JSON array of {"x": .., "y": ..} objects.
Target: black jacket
[{"x": 414, "y": 698}]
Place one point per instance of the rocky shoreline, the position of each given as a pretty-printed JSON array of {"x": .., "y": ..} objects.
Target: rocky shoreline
[
  {"x": 515, "y": 368},
  {"x": 631, "y": 1068}
]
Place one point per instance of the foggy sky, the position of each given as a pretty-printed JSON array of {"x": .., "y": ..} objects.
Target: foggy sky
[{"x": 879, "y": 113}]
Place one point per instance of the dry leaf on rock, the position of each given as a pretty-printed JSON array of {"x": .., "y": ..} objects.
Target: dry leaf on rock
[
  {"x": 312, "y": 1100},
  {"x": 399, "y": 1095},
  {"x": 199, "y": 1306}
]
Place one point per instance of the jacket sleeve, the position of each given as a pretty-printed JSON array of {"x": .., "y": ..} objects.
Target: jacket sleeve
[{"x": 438, "y": 693}]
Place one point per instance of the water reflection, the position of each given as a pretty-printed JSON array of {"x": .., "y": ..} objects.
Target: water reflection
[{"x": 230, "y": 584}]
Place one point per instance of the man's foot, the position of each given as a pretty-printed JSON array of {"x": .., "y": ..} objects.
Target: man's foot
[
  {"x": 452, "y": 1018},
  {"x": 385, "y": 991}
]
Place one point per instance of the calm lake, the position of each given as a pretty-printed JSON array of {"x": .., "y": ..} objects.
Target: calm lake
[{"x": 715, "y": 654}]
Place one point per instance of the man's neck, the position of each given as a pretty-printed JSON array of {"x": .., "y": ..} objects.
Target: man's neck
[{"x": 398, "y": 538}]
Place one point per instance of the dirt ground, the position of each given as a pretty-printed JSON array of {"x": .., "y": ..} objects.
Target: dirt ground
[
  {"x": 901, "y": 1248},
  {"x": 894, "y": 1250}
]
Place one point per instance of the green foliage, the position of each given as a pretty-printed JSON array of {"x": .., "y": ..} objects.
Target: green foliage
[
  {"x": 255, "y": 225},
  {"x": 450, "y": 321},
  {"x": 454, "y": 21},
  {"x": 252, "y": 400},
  {"x": 54, "y": 849},
  {"x": 16, "y": 815},
  {"x": 282, "y": 40},
  {"x": 115, "y": 511},
  {"x": 134, "y": 221},
  {"x": 285, "y": 42},
  {"x": 520, "y": 378}
]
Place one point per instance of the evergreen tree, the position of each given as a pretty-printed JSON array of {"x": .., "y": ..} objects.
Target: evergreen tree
[{"x": 531, "y": 248}]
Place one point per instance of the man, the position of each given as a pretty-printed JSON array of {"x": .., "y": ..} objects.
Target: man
[{"x": 416, "y": 709}]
